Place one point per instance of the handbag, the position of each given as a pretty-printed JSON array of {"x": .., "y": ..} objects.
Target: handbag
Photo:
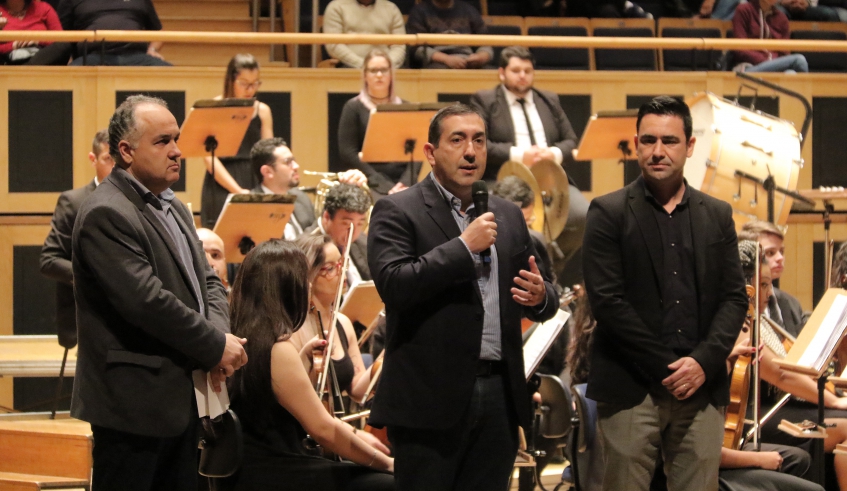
[{"x": 221, "y": 445}]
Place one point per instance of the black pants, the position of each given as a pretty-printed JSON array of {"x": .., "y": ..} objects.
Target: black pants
[
  {"x": 128, "y": 462},
  {"x": 476, "y": 454}
]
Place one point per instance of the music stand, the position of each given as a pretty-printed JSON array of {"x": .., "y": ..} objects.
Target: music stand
[
  {"x": 250, "y": 219},
  {"x": 215, "y": 127},
  {"x": 396, "y": 133},
  {"x": 608, "y": 136}
]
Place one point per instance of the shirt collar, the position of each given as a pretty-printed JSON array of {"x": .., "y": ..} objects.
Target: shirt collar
[
  {"x": 267, "y": 190},
  {"x": 161, "y": 202},
  {"x": 96, "y": 181},
  {"x": 512, "y": 99},
  {"x": 452, "y": 201},
  {"x": 682, "y": 203}
]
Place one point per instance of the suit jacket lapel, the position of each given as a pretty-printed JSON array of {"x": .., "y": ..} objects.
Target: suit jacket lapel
[
  {"x": 503, "y": 116},
  {"x": 647, "y": 224},
  {"x": 197, "y": 255},
  {"x": 547, "y": 119},
  {"x": 438, "y": 209}
]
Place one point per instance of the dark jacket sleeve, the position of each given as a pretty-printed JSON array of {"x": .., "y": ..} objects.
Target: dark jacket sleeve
[
  {"x": 351, "y": 136},
  {"x": 617, "y": 320},
  {"x": 128, "y": 281},
  {"x": 55, "y": 259},
  {"x": 66, "y": 15}
]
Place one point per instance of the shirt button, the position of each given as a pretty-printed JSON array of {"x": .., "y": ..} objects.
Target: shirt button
[
  {"x": 677, "y": 302},
  {"x": 674, "y": 273},
  {"x": 679, "y": 331},
  {"x": 673, "y": 244}
]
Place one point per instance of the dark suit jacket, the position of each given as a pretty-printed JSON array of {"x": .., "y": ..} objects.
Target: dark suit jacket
[
  {"x": 623, "y": 278},
  {"x": 55, "y": 260},
  {"x": 501, "y": 132},
  {"x": 140, "y": 330},
  {"x": 434, "y": 311},
  {"x": 304, "y": 210},
  {"x": 793, "y": 317}
]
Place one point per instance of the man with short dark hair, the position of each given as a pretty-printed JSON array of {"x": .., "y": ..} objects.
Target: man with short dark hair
[
  {"x": 55, "y": 259},
  {"x": 347, "y": 205},
  {"x": 278, "y": 173},
  {"x": 664, "y": 281},
  {"x": 150, "y": 310},
  {"x": 528, "y": 125},
  {"x": 453, "y": 391},
  {"x": 782, "y": 307}
]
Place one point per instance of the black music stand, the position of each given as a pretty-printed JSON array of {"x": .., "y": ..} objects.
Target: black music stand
[
  {"x": 215, "y": 127},
  {"x": 250, "y": 219},
  {"x": 396, "y": 133}
]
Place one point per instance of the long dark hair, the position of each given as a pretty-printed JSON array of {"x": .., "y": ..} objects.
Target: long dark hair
[
  {"x": 582, "y": 338},
  {"x": 269, "y": 302},
  {"x": 241, "y": 61}
]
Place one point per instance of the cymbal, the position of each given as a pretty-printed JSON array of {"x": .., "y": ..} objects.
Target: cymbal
[
  {"x": 554, "y": 195},
  {"x": 523, "y": 173}
]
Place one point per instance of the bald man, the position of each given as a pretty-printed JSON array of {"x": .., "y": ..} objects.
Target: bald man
[{"x": 213, "y": 246}]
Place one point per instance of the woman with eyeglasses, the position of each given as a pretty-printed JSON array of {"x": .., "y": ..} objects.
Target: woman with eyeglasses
[
  {"x": 274, "y": 398},
  {"x": 235, "y": 175},
  {"x": 325, "y": 262},
  {"x": 377, "y": 89}
]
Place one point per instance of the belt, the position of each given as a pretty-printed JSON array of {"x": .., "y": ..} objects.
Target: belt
[{"x": 487, "y": 368}]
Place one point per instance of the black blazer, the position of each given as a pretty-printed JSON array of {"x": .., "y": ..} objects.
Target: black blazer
[
  {"x": 793, "y": 317},
  {"x": 55, "y": 260},
  {"x": 623, "y": 264},
  {"x": 501, "y": 132},
  {"x": 434, "y": 312},
  {"x": 140, "y": 330},
  {"x": 304, "y": 210}
]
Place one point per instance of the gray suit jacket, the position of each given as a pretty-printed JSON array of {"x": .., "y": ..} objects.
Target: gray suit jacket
[
  {"x": 140, "y": 328},
  {"x": 55, "y": 260},
  {"x": 793, "y": 318},
  {"x": 304, "y": 210},
  {"x": 501, "y": 132}
]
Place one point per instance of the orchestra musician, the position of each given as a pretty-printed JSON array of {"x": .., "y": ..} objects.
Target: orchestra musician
[
  {"x": 377, "y": 89},
  {"x": 149, "y": 310},
  {"x": 801, "y": 387},
  {"x": 663, "y": 279},
  {"x": 839, "y": 267},
  {"x": 275, "y": 398},
  {"x": 235, "y": 175},
  {"x": 452, "y": 391}
]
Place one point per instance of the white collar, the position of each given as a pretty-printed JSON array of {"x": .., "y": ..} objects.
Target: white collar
[{"x": 511, "y": 98}]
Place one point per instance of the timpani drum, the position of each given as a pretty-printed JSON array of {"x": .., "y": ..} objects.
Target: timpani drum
[{"x": 732, "y": 138}]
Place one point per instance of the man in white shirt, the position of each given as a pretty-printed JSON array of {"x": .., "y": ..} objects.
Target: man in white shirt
[
  {"x": 528, "y": 125},
  {"x": 363, "y": 17}
]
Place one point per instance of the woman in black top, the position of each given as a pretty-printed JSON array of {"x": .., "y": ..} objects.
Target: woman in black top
[
  {"x": 273, "y": 396},
  {"x": 377, "y": 89},
  {"x": 235, "y": 175}
]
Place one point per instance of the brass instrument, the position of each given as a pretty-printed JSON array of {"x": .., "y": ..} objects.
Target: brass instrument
[
  {"x": 328, "y": 181},
  {"x": 549, "y": 183}
]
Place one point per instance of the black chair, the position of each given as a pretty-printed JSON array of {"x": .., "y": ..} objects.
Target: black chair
[
  {"x": 584, "y": 450},
  {"x": 624, "y": 59},
  {"x": 501, "y": 30},
  {"x": 821, "y": 61},
  {"x": 674, "y": 60},
  {"x": 505, "y": 7},
  {"x": 560, "y": 58},
  {"x": 404, "y": 5}
]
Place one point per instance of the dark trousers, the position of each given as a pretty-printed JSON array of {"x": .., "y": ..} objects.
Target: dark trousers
[
  {"x": 476, "y": 454},
  {"x": 141, "y": 463}
]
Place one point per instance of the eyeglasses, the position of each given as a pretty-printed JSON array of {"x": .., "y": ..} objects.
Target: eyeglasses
[
  {"x": 288, "y": 161},
  {"x": 330, "y": 271},
  {"x": 378, "y": 71},
  {"x": 248, "y": 85}
]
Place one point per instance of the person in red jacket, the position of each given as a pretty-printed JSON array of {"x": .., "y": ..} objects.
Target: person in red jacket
[
  {"x": 759, "y": 19},
  {"x": 26, "y": 15}
]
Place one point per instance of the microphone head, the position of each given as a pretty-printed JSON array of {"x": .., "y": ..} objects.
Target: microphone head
[{"x": 479, "y": 188}]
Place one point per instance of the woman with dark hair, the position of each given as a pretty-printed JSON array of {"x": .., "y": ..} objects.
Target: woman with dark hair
[
  {"x": 324, "y": 275},
  {"x": 26, "y": 15},
  {"x": 377, "y": 89},
  {"x": 839, "y": 267},
  {"x": 275, "y": 399},
  {"x": 235, "y": 175}
]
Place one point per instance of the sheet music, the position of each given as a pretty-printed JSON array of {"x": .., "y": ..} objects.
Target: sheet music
[
  {"x": 209, "y": 402},
  {"x": 540, "y": 341},
  {"x": 828, "y": 335}
]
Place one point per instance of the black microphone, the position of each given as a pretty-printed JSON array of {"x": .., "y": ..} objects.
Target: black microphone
[{"x": 479, "y": 194}]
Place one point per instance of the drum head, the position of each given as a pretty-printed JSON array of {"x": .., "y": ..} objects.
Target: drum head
[
  {"x": 523, "y": 173},
  {"x": 555, "y": 197}
]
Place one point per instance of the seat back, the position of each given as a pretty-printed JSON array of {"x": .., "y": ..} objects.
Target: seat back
[
  {"x": 560, "y": 58},
  {"x": 823, "y": 61},
  {"x": 584, "y": 450},
  {"x": 624, "y": 59},
  {"x": 556, "y": 407},
  {"x": 690, "y": 59},
  {"x": 502, "y": 26}
]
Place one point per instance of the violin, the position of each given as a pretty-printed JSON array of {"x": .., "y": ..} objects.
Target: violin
[{"x": 739, "y": 389}]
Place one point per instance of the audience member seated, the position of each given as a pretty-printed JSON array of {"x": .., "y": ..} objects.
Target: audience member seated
[
  {"x": 31, "y": 15},
  {"x": 236, "y": 174},
  {"x": 213, "y": 246},
  {"x": 345, "y": 206},
  {"x": 447, "y": 17},
  {"x": 122, "y": 15},
  {"x": 760, "y": 19},
  {"x": 277, "y": 172},
  {"x": 275, "y": 398},
  {"x": 325, "y": 262},
  {"x": 377, "y": 89},
  {"x": 725, "y": 9},
  {"x": 605, "y": 9},
  {"x": 810, "y": 10},
  {"x": 363, "y": 17}
]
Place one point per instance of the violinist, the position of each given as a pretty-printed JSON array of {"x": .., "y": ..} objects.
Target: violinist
[
  {"x": 802, "y": 387},
  {"x": 275, "y": 399},
  {"x": 325, "y": 263}
]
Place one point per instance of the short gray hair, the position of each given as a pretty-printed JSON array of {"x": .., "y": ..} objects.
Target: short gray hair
[{"x": 122, "y": 126}]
